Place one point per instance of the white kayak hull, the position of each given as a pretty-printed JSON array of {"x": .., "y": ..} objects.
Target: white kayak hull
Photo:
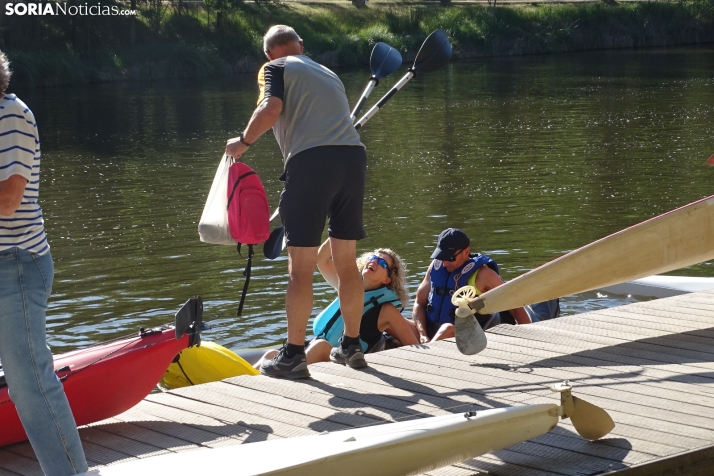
[
  {"x": 661, "y": 286},
  {"x": 402, "y": 448}
]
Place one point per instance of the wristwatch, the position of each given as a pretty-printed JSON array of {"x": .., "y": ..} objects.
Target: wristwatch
[{"x": 242, "y": 141}]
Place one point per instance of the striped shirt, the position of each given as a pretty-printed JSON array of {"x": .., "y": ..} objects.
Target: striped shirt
[{"x": 20, "y": 155}]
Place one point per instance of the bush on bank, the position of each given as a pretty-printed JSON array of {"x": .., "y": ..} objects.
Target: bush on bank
[{"x": 205, "y": 42}]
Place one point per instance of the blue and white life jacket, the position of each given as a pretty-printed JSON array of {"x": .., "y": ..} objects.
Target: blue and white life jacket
[
  {"x": 329, "y": 324},
  {"x": 443, "y": 284}
]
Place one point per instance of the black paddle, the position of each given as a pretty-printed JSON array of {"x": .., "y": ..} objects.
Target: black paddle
[
  {"x": 434, "y": 53},
  {"x": 274, "y": 244},
  {"x": 384, "y": 61}
]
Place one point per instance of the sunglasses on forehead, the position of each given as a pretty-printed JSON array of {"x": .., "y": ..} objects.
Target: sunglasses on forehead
[{"x": 381, "y": 262}]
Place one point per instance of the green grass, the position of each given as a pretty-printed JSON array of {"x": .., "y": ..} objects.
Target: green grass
[{"x": 337, "y": 35}]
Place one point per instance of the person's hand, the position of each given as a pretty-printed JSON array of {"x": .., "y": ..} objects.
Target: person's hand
[{"x": 235, "y": 148}]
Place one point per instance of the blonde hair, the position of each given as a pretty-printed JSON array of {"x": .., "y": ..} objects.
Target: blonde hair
[
  {"x": 5, "y": 72},
  {"x": 398, "y": 282}
]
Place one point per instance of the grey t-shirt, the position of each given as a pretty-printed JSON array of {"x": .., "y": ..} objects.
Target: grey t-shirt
[{"x": 315, "y": 108}]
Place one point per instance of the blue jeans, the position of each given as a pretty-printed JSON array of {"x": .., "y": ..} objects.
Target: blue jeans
[{"x": 25, "y": 286}]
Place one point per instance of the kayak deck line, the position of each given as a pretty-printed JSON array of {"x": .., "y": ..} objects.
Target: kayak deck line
[{"x": 650, "y": 365}]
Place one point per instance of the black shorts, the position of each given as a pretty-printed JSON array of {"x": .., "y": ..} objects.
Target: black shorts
[
  {"x": 323, "y": 182},
  {"x": 432, "y": 327},
  {"x": 369, "y": 326}
]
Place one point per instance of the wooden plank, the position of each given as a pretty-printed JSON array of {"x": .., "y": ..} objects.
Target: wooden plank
[
  {"x": 631, "y": 381},
  {"x": 615, "y": 324},
  {"x": 12, "y": 463},
  {"x": 671, "y": 316},
  {"x": 642, "y": 444},
  {"x": 146, "y": 441},
  {"x": 434, "y": 393},
  {"x": 624, "y": 452},
  {"x": 514, "y": 359},
  {"x": 366, "y": 388},
  {"x": 681, "y": 315},
  {"x": 492, "y": 465},
  {"x": 566, "y": 462},
  {"x": 453, "y": 470},
  {"x": 583, "y": 352},
  {"x": 681, "y": 345},
  {"x": 253, "y": 416},
  {"x": 319, "y": 393},
  {"x": 669, "y": 319},
  {"x": 298, "y": 407},
  {"x": 620, "y": 332},
  {"x": 698, "y": 462},
  {"x": 629, "y": 412},
  {"x": 142, "y": 416},
  {"x": 111, "y": 448},
  {"x": 629, "y": 354},
  {"x": 540, "y": 378},
  {"x": 586, "y": 352},
  {"x": 96, "y": 454},
  {"x": 651, "y": 447}
]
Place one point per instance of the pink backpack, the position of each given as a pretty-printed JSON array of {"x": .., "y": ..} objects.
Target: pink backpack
[
  {"x": 248, "y": 211},
  {"x": 248, "y": 214}
]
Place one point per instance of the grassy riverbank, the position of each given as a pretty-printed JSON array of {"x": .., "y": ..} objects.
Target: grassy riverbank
[{"x": 183, "y": 42}]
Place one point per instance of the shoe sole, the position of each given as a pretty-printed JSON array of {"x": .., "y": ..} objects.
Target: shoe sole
[
  {"x": 288, "y": 375},
  {"x": 358, "y": 363}
]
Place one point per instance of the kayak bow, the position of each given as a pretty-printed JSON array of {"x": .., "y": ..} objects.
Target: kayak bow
[{"x": 107, "y": 379}]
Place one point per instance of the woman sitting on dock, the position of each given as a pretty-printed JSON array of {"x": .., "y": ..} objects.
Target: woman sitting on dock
[{"x": 383, "y": 277}]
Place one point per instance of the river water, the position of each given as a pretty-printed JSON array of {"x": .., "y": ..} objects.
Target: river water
[{"x": 531, "y": 156}]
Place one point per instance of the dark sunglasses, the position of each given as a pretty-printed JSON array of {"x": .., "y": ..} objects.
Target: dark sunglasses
[
  {"x": 453, "y": 257},
  {"x": 381, "y": 262}
]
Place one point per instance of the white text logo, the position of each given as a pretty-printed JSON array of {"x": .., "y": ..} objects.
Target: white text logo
[{"x": 53, "y": 8}]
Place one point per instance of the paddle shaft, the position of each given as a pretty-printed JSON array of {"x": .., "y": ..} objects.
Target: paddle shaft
[
  {"x": 374, "y": 109},
  {"x": 681, "y": 237},
  {"x": 365, "y": 94}
]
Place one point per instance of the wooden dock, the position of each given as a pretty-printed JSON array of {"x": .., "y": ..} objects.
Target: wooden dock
[{"x": 650, "y": 365}]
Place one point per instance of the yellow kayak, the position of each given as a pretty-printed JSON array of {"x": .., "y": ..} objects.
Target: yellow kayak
[{"x": 208, "y": 363}]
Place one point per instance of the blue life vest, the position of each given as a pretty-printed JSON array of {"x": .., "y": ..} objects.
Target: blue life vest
[
  {"x": 443, "y": 284},
  {"x": 329, "y": 324}
]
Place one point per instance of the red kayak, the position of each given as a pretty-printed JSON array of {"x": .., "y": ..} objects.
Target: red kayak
[{"x": 107, "y": 379}]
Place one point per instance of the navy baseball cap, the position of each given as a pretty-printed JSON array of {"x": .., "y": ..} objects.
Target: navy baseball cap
[{"x": 450, "y": 241}]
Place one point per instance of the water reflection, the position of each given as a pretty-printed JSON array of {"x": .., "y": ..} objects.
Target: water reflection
[{"x": 531, "y": 156}]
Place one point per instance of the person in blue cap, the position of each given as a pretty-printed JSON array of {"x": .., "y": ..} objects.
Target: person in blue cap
[{"x": 453, "y": 267}]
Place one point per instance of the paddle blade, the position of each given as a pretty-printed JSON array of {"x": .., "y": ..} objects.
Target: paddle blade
[
  {"x": 470, "y": 337},
  {"x": 190, "y": 319},
  {"x": 590, "y": 421},
  {"x": 710, "y": 161},
  {"x": 274, "y": 244},
  {"x": 434, "y": 53},
  {"x": 384, "y": 60}
]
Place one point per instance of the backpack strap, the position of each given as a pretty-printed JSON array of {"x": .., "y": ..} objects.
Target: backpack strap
[
  {"x": 235, "y": 186},
  {"x": 246, "y": 273}
]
